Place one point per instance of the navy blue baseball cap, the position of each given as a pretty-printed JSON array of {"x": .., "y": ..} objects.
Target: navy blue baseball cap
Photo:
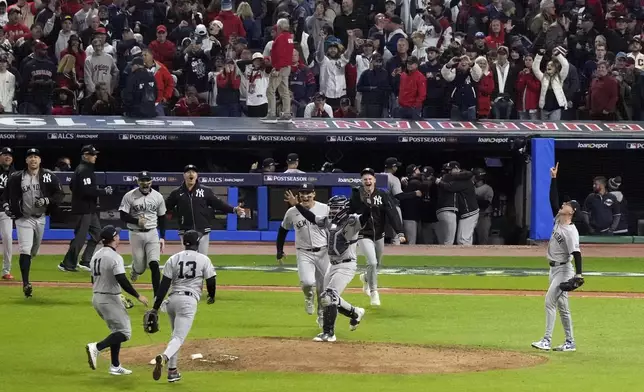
[
  {"x": 89, "y": 149},
  {"x": 33, "y": 151},
  {"x": 145, "y": 176},
  {"x": 191, "y": 238},
  {"x": 367, "y": 170},
  {"x": 306, "y": 188},
  {"x": 109, "y": 232},
  {"x": 188, "y": 168},
  {"x": 7, "y": 151}
]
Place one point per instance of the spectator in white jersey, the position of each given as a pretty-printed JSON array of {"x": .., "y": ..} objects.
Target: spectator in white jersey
[
  {"x": 108, "y": 278},
  {"x": 293, "y": 161}
]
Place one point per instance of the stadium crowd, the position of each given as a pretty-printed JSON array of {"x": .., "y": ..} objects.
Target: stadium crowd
[{"x": 463, "y": 59}]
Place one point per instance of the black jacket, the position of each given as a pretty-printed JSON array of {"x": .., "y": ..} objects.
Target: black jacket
[
  {"x": 449, "y": 189},
  {"x": 411, "y": 207},
  {"x": 468, "y": 205},
  {"x": 50, "y": 188},
  {"x": 383, "y": 211},
  {"x": 140, "y": 95},
  {"x": 4, "y": 177},
  {"x": 194, "y": 208},
  {"x": 85, "y": 190}
]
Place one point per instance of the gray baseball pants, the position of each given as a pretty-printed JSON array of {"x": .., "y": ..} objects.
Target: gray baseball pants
[
  {"x": 453, "y": 228},
  {"x": 311, "y": 269},
  {"x": 30, "y": 231},
  {"x": 181, "y": 311},
  {"x": 373, "y": 251},
  {"x": 555, "y": 297},
  {"x": 411, "y": 228},
  {"x": 6, "y": 227},
  {"x": 145, "y": 248},
  {"x": 111, "y": 309}
]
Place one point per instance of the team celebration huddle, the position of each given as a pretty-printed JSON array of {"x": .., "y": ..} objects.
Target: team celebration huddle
[{"x": 328, "y": 238}]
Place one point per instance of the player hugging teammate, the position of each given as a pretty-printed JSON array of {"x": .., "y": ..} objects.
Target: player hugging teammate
[{"x": 342, "y": 229}]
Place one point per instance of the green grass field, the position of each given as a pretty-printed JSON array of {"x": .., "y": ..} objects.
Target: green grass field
[{"x": 43, "y": 338}]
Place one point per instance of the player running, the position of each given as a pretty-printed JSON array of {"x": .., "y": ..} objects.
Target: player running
[
  {"x": 29, "y": 196},
  {"x": 183, "y": 276},
  {"x": 310, "y": 244},
  {"x": 143, "y": 210},
  {"x": 342, "y": 229},
  {"x": 108, "y": 277},
  {"x": 562, "y": 248}
]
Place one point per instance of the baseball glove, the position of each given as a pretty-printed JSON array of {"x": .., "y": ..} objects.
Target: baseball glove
[
  {"x": 127, "y": 303},
  {"x": 572, "y": 284},
  {"x": 151, "y": 321}
]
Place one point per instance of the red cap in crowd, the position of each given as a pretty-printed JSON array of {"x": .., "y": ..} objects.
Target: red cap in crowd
[
  {"x": 39, "y": 45},
  {"x": 162, "y": 28},
  {"x": 100, "y": 30}
]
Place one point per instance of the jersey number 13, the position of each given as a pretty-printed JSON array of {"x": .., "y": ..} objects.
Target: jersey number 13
[{"x": 187, "y": 269}]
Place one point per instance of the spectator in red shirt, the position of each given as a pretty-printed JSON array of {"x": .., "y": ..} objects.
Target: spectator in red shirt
[
  {"x": 75, "y": 49},
  {"x": 15, "y": 29},
  {"x": 345, "y": 110},
  {"x": 163, "y": 78},
  {"x": 603, "y": 94},
  {"x": 190, "y": 105},
  {"x": 528, "y": 91},
  {"x": 412, "y": 92},
  {"x": 281, "y": 57},
  {"x": 162, "y": 49},
  {"x": 232, "y": 23},
  {"x": 228, "y": 91},
  {"x": 496, "y": 37},
  {"x": 27, "y": 12},
  {"x": 484, "y": 89}
]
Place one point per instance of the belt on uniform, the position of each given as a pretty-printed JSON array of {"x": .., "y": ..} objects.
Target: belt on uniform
[
  {"x": 555, "y": 264},
  {"x": 333, "y": 262},
  {"x": 188, "y": 293},
  {"x": 140, "y": 230},
  {"x": 312, "y": 249},
  {"x": 100, "y": 292}
]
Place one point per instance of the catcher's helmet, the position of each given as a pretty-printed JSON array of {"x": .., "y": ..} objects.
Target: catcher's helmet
[
  {"x": 191, "y": 238},
  {"x": 338, "y": 208}
]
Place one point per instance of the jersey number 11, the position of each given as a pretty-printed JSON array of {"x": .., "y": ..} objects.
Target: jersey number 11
[{"x": 97, "y": 267}]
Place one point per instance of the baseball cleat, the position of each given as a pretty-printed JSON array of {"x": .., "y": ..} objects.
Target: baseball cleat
[
  {"x": 119, "y": 371},
  {"x": 543, "y": 344},
  {"x": 7, "y": 277},
  {"x": 324, "y": 337},
  {"x": 365, "y": 285},
  {"x": 62, "y": 267},
  {"x": 174, "y": 376},
  {"x": 309, "y": 305},
  {"x": 353, "y": 323},
  {"x": 84, "y": 267},
  {"x": 92, "y": 355},
  {"x": 159, "y": 361},
  {"x": 27, "y": 290},
  {"x": 375, "y": 298},
  {"x": 567, "y": 346}
]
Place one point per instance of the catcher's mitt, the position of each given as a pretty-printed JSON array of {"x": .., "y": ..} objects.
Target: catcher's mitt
[
  {"x": 571, "y": 284},
  {"x": 151, "y": 321}
]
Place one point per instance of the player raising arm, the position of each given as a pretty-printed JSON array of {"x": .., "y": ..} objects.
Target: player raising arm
[
  {"x": 562, "y": 248},
  {"x": 108, "y": 277},
  {"x": 342, "y": 236},
  {"x": 183, "y": 276}
]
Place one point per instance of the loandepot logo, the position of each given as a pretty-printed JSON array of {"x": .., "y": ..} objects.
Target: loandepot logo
[{"x": 592, "y": 145}]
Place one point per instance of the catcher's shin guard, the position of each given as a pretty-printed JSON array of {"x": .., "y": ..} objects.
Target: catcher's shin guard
[{"x": 329, "y": 316}]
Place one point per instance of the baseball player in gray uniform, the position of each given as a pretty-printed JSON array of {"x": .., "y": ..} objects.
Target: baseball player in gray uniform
[
  {"x": 563, "y": 247},
  {"x": 484, "y": 196},
  {"x": 6, "y": 223},
  {"x": 31, "y": 194},
  {"x": 342, "y": 229},
  {"x": 183, "y": 277},
  {"x": 310, "y": 244},
  {"x": 108, "y": 277},
  {"x": 143, "y": 210}
]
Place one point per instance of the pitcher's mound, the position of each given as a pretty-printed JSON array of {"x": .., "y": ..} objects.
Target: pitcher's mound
[{"x": 306, "y": 356}]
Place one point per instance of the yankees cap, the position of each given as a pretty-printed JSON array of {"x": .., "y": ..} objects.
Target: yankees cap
[
  {"x": 367, "y": 170},
  {"x": 306, "y": 188},
  {"x": 392, "y": 162},
  {"x": 292, "y": 157},
  {"x": 144, "y": 176},
  {"x": 33, "y": 151},
  {"x": 188, "y": 168},
  {"x": 6, "y": 150},
  {"x": 109, "y": 232},
  {"x": 191, "y": 238},
  {"x": 89, "y": 149}
]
